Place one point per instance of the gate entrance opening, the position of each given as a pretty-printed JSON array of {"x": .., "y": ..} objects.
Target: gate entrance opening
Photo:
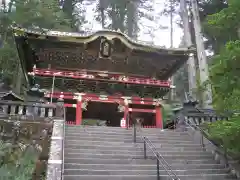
[
  {"x": 100, "y": 111},
  {"x": 71, "y": 115},
  {"x": 147, "y": 119}
]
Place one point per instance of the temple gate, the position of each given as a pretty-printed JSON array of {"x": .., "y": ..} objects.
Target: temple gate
[{"x": 104, "y": 73}]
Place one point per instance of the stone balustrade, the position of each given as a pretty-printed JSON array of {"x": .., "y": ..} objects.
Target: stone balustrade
[
  {"x": 13, "y": 112},
  {"x": 26, "y": 110},
  {"x": 196, "y": 116},
  {"x": 197, "y": 120}
]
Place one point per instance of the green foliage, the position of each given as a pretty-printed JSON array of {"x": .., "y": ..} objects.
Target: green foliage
[
  {"x": 16, "y": 163},
  {"x": 224, "y": 25},
  {"x": 8, "y": 61},
  {"x": 43, "y": 14},
  {"x": 225, "y": 80},
  {"x": 226, "y": 133},
  {"x": 167, "y": 113},
  {"x": 91, "y": 122},
  {"x": 28, "y": 14},
  {"x": 224, "y": 75}
]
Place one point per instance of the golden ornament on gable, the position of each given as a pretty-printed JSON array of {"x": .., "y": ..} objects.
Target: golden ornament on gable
[{"x": 105, "y": 48}]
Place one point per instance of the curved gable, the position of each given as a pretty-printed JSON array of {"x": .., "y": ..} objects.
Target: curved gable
[{"x": 88, "y": 37}]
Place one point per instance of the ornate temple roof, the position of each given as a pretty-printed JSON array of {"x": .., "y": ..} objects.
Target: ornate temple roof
[
  {"x": 129, "y": 56},
  {"x": 86, "y": 37}
]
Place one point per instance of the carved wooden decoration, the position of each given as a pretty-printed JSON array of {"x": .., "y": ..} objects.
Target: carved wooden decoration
[
  {"x": 105, "y": 49},
  {"x": 84, "y": 105},
  {"x": 121, "y": 108}
]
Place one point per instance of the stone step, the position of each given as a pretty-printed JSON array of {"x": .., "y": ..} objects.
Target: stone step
[
  {"x": 125, "y": 131},
  {"x": 112, "y": 143},
  {"x": 114, "y": 136},
  {"x": 138, "y": 153},
  {"x": 101, "y": 128},
  {"x": 147, "y": 177},
  {"x": 132, "y": 151},
  {"x": 126, "y": 136},
  {"x": 114, "y": 129},
  {"x": 114, "y": 160},
  {"x": 174, "y": 166},
  {"x": 89, "y": 160},
  {"x": 162, "y": 130},
  {"x": 118, "y": 128},
  {"x": 82, "y": 134},
  {"x": 122, "y": 155},
  {"x": 106, "y": 133},
  {"x": 91, "y": 127},
  {"x": 130, "y": 139},
  {"x": 158, "y": 131},
  {"x": 98, "y": 128},
  {"x": 126, "y": 139},
  {"x": 130, "y": 147},
  {"x": 141, "y": 172}
]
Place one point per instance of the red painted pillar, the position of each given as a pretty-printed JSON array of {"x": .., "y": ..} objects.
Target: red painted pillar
[
  {"x": 159, "y": 120},
  {"x": 79, "y": 111}
]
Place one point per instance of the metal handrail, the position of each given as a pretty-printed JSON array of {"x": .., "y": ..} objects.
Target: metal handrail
[
  {"x": 159, "y": 157},
  {"x": 127, "y": 121},
  {"x": 195, "y": 127}
]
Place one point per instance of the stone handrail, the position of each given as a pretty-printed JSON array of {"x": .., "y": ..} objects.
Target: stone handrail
[{"x": 56, "y": 154}]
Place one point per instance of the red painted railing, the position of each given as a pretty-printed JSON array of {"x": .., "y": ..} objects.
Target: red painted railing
[
  {"x": 105, "y": 99},
  {"x": 100, "y": 76}
]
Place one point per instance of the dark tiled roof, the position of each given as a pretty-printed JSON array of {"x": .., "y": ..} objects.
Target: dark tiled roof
[{"x": 4, "y": 94}]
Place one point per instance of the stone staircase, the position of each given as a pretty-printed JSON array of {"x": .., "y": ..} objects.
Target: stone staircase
[{"x": 108, "y": 153}]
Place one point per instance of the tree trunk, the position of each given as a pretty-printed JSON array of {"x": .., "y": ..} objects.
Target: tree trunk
[
  {"x": 131, "y": 19},
  {"x": 68, "y": 8},
  {"x": 202, "y": 58},
  {"x": 102, "y": 18},
  {"x": 114, "y": 17},
  {"x": 188, "y": 42},
  {"x": 4, "y": 39},
  {"x": 103, "y": 6},
  {"x": 18, "y": 82}
]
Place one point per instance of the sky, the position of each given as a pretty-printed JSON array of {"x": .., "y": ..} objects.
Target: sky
[{"x": 161, "y": 36}]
